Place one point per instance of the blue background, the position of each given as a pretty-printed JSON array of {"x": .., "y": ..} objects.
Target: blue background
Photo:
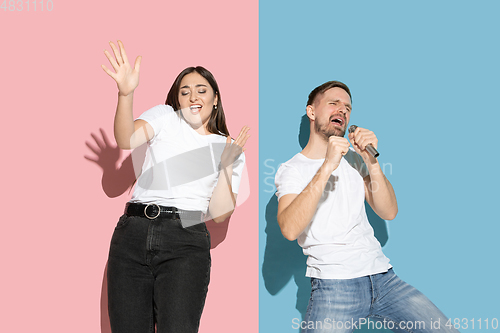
[{"x": 425, "y": 78}]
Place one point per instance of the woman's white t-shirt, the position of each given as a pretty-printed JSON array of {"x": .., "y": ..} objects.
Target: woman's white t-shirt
[{"x": 181, "y": 166}]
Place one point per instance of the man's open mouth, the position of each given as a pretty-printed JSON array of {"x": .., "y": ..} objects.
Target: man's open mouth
[{"x": 337, "y": 121}]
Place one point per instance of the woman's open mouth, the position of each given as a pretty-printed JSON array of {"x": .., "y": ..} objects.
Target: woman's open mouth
[{"x": 195, "y": 108}]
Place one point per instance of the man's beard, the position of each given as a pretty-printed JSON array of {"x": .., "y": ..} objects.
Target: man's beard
[{"x": 327, "y": 130}]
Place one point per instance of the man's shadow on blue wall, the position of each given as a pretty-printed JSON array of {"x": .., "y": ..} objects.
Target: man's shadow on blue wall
[{"x": 284, "y": 260}]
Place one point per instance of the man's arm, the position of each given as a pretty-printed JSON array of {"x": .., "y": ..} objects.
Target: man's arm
[
  {"x": 379, "y": 194},
  {"x": 295, "y": 211},
  {"x": 378, "y": 190}
]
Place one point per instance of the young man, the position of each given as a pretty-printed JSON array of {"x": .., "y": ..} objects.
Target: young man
[{"x": 321, "y": 193}]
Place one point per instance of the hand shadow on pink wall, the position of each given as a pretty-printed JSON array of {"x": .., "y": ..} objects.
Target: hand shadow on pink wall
[{"x": 116, "y": 180}]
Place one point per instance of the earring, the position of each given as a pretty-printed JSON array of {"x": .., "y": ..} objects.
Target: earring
[{"x": 215, "y": 107}]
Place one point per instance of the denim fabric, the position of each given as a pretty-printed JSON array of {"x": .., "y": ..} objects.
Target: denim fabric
[
  {"x": 158, "y": 273},
  {"x": 343, "y": 305}
]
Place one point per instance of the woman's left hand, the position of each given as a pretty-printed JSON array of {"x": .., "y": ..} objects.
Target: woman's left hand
[{"x": 233, "y": 150}]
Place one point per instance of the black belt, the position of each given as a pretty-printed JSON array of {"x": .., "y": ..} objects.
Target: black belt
[{"x": 153, "y": 211}]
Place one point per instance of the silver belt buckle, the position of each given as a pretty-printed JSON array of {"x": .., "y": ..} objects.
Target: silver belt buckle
[{"x": 151, "y": 217}]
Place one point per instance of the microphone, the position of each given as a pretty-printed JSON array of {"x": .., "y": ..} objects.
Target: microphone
[{"x": 369, "y": 147}]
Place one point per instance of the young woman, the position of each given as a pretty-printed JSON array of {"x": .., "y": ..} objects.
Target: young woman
[{"x": 159, "y": 260}]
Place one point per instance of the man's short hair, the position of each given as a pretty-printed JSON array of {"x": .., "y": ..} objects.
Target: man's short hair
[{"x": 324, "y": 87}]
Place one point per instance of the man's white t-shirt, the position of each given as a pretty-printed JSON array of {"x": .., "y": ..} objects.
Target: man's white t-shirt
[
  {"x": 181, "y": 166},
  {"x": 339, "y": 241}
]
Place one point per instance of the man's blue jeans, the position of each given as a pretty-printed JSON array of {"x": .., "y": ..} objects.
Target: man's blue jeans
[
  {"x": 158, "y": 273},
  {"x": 343, "y": 305}
]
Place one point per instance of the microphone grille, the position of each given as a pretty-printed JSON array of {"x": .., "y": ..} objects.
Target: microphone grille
[{"x": 352, "y": 128}]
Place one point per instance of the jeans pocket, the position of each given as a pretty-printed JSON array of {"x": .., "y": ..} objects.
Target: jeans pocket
[{"x": 122, "y": 222}]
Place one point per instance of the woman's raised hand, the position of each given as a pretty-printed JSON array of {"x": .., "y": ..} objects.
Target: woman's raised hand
[
  {"x": 126, "y": 77},
  {"x": 233, "y": 150}
]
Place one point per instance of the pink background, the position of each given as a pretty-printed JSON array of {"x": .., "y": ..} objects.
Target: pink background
[{"x": 57, "y": 220}]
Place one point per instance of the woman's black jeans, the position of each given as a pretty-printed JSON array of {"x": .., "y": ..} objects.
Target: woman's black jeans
[{"x": 158, "y": 273}]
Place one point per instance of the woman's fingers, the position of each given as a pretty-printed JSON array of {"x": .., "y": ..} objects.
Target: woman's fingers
[
  {"x": 112, "y": 60},
  {"x": 242, "y": 133},
  {"x": 122, "y": 52},
  {"x": 243, "y": 140},
  {"x": 243, "y": 136},
  {"x": 110, "y": 73},
  {"x": 245, "y": 129},
  {"x": 137, "y": 64},
  {"x": 126, "y": 77},
  {"x": 117, "y": 54}
]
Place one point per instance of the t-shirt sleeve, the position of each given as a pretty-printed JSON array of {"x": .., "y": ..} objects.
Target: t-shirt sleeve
[
  {"x": 158, "y": 116},
  {"x": 238, "y": 166},
  {"x": 288, "y": 181}
]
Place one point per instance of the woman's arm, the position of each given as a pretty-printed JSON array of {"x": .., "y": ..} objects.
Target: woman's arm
[
  {"x": 223, "y": 200},
  {"x": 128, "y": 134}
]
